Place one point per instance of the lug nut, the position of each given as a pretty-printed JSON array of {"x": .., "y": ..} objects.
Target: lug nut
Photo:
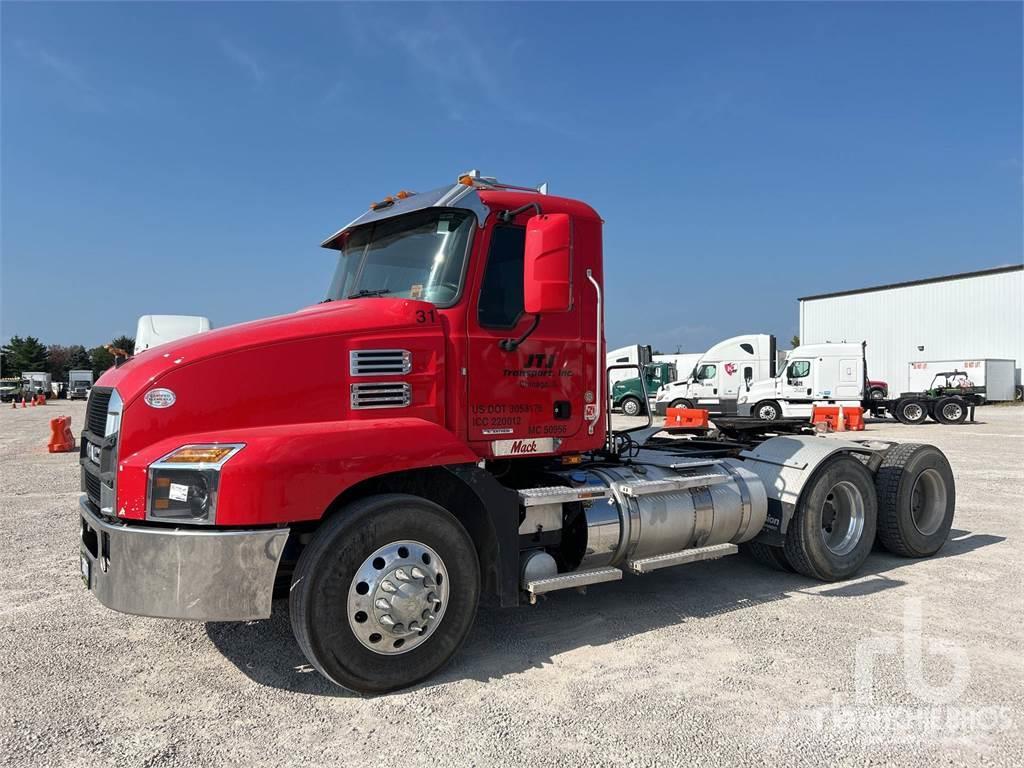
[
  {"x": 381, "y": 603},
  {"x": 401, "y": 575}
]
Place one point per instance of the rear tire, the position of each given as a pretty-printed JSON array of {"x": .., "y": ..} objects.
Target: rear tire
[
  {"x": 631, "y": 406},
  {"x": 916, "y": 500},
  {"x": 910, "y": 411},
  {"x": 950, "y": 410},
  {"x": 766, "y": 554},
  {"x": 354, "y": 648},
  {"x": 768, "y": 410},
  {"x": 833, "y": 528},
  {"x": 682, "y": 403}
]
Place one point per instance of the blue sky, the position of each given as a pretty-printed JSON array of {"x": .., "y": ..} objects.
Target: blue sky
[{"x": 188, "y": 158}]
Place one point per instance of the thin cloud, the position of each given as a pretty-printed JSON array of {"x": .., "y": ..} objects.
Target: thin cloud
[
  {"x": 66, "y": 71},
  {"x": 243, "y": 60}
]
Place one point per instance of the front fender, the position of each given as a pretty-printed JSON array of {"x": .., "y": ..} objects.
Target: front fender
[{"x": 292, "y": 472}]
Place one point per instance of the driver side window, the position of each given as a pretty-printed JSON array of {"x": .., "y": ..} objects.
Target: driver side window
[
  {"x": 501, "y": 293},
  {"x": 706, "y": 372},
  {"x": 799, "y": 369}
]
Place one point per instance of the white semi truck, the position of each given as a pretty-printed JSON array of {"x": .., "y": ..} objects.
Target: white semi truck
[
  {"x": 717, "y": 378},
  {"x": 826, "y": 374}
]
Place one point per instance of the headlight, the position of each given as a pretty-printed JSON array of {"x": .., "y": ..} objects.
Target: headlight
[{"x": 183, "y": 484}]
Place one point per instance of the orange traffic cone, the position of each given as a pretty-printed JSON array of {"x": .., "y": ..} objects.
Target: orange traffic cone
[
  {"x": 34, "y": 403},
  {"x": 23, "y": 402}
]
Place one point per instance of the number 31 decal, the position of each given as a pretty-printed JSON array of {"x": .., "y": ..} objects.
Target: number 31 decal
[{"x": 423, "y": 315}]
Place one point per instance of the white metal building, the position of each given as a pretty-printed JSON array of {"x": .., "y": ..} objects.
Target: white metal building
[{"x": 968, "y": 315}]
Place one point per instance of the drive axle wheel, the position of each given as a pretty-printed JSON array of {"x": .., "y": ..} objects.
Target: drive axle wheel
[
  {"x": 766, "y": 554},
  {"x": 911, "y": 412},
  {"x": 385, "y": 593},
  {"x": 833, "y": 528},
  {"x": 916, "y": 500},
  {"x": 950, "y": 410}
]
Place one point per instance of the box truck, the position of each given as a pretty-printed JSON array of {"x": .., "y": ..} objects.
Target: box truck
[{"x": 79, "y": 384}]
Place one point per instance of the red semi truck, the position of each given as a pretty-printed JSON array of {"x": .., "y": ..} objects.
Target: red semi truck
[{"x": 448, "y": 443}]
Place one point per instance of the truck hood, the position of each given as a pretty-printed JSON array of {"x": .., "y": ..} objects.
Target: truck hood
[
  {"x": 336, "y": 318},
  {"x": 756, "y": 391}
]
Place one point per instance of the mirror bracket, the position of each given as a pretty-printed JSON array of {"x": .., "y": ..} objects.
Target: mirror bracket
[
  {"x": 507, "y": 217},
  {"x": 511, "y": 345}
]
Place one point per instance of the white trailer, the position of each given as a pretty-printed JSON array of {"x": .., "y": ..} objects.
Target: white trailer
[
  {"x": 634, "y": 354},
  {"x": 995, "y": 379},
  {"x": 718, "y": 376},
  {"x": 159, "y": 329},
  {"x": 823, "y": 374}
]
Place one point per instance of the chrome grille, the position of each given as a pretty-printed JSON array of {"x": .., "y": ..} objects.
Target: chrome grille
[
  {"x": 380, "y": 395},
  {"x": 379, "y": 362},
  {"x": 96, "y": 410}
]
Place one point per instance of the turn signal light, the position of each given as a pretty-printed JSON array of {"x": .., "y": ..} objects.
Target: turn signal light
[{"x": 196, "y": 455}]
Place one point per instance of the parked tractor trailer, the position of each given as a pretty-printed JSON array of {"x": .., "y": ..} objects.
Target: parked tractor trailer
[{"x": 449, "y": 443}]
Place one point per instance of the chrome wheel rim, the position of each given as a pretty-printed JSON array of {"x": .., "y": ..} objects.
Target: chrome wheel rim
[
  {"x": 842, "y": 518},
  {"x": 952, "y": 411},
  {"x": 631, "y": 408},
  {"x": 912, "y": 412},
  {"x": 928, "y": 502},
  {"x": 398, "y": 597},
  {"x": 767, "y": 413}
]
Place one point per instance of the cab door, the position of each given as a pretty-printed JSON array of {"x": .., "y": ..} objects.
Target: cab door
[
  {"x": 705, "y": 384},
  {"x": 529, "y": 399},
  {"x": 798, "y": 382}
]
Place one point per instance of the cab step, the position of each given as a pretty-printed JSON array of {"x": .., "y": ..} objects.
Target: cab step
[
  {"x": 648, "y": 564},
  {"x": 573, "y": 580}
]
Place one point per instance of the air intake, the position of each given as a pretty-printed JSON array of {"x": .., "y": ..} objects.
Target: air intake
[
  {"x": 380, "y": 395},
  {"x": 379, "y": 362}
]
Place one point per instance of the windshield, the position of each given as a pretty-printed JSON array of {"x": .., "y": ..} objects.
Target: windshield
[{"x": 421, "y": 255}]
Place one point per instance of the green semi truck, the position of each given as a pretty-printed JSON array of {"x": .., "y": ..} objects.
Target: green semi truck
[{"x": 628, "y": 395}]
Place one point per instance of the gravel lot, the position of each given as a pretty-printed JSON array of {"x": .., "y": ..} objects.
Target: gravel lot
[{"x": 714, "y": 663}]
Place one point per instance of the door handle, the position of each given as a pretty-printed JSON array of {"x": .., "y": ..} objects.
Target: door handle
[{"x": 808, "y": 391}]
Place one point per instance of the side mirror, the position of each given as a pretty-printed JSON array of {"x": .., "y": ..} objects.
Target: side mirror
[{"x": 547, "y": 267}]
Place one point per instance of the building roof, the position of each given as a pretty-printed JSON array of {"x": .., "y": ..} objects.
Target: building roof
[{"x": 925, "y": 281}]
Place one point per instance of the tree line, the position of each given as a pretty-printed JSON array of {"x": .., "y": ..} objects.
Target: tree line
[{"x": 20, "y": 355}]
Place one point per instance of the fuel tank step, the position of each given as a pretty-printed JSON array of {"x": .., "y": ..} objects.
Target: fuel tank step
[
  {"x": 666, "y": 485},
  {"x": 574, "y": 579},
  {"x": 560, "y": 494},
  {"x": 648, "y": 564}
]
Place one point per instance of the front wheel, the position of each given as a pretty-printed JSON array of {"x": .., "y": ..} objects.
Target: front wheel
[
  {"x": 385, "y": 593},
  {"x": 833, "y": 528},
  {"x": 682, "y": 403},
  {"x": 768, "y": 410},
  {"x": 631, "y": 406}
]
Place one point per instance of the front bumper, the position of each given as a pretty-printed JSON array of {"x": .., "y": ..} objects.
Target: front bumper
[{"x": 172, "y": 573}]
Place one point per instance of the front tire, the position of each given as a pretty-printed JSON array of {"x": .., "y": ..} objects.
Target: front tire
[
  {"x": 682, "y": 403},
  {"x": 385, "y": 593},
  {"x": 632, "y": 406},
  {"x": 916, "y": 500},
  {"x": 768, "y": 410},
  {"x": 833, "y": 528}
]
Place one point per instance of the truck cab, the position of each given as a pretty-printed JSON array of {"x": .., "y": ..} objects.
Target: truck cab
[
  {"x": 450, "y": 443},
  {"x": 827, "y": 374},
  {"x": 630, "y": 397},
  {"x": 716, "y": 380}
]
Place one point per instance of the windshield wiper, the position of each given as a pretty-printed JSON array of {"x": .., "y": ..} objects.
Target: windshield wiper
[{"x": 364, "y": 292}]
